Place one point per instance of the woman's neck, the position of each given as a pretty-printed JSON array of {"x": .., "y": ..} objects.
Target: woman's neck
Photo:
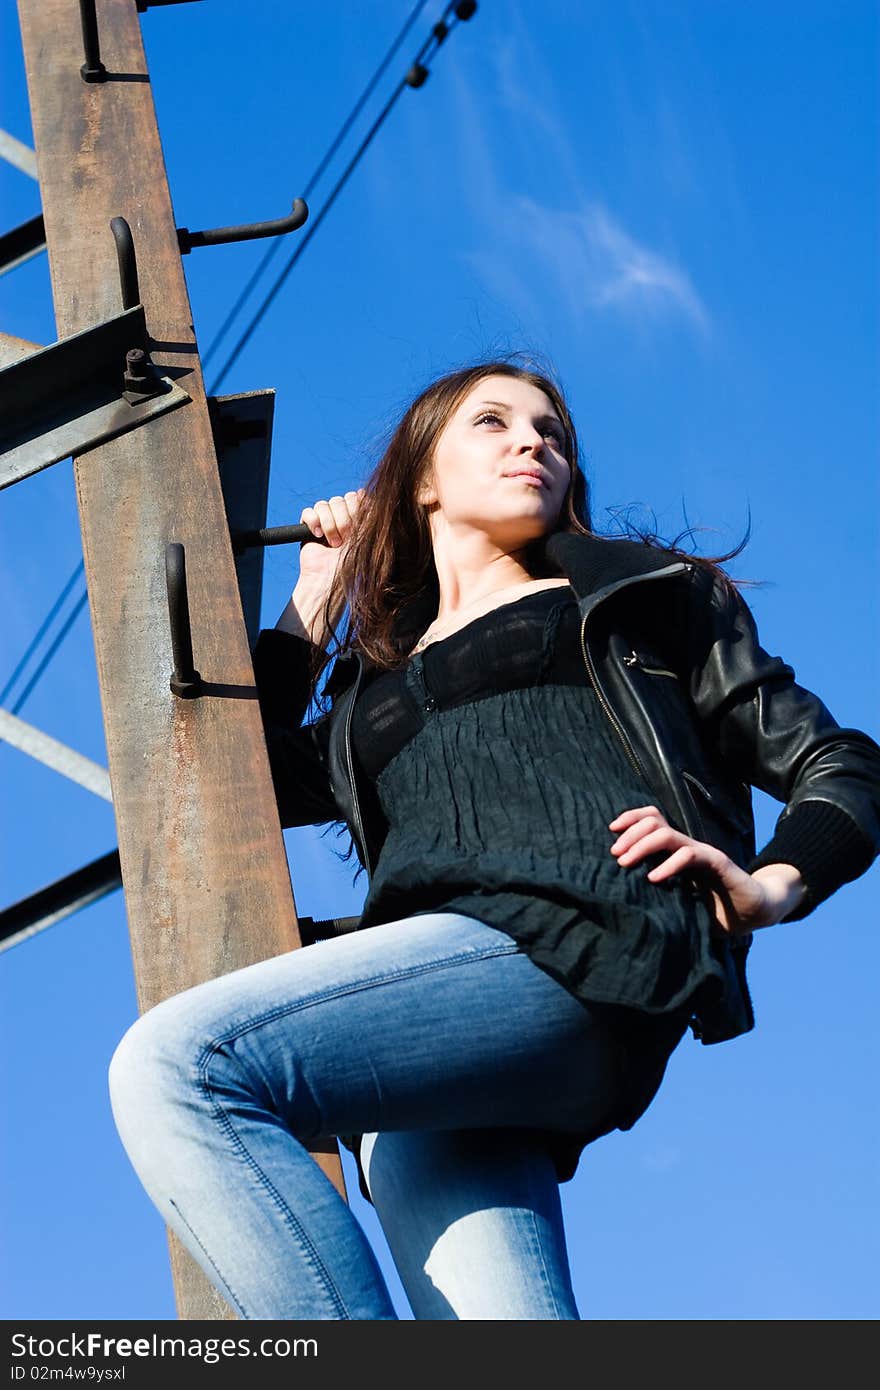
[{"x": 473, "y": 575}]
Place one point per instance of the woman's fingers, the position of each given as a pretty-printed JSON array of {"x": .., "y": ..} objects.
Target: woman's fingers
[
  {"x": 650, "y": 833},
  {"x": 627, "y": 818},
  {"x": 741, "y": 903},
  {"x": 651, "y": 840},
  {"x": 688, "y": 856},
  {"x": 332, "y": 517},
  {"x": 634, "y": 825}
]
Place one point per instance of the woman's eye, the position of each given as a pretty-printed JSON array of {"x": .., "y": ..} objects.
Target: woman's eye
[{"x": 553, "y": 432}]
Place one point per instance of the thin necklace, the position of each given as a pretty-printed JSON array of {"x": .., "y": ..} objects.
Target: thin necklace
[{"x": 430, "y": 636}]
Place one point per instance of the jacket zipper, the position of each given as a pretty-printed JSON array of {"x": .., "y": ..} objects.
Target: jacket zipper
[{"x": 615, "y": 722}]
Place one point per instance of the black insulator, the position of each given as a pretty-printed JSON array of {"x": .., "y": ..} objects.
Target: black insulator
[
  {"x": 465, "y": 9},
  {"x": 417, "y": 75},
  {"x": 441, "y": 29}
]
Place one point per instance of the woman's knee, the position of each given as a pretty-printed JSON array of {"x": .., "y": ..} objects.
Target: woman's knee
[{"x": 153, "y": 1060}]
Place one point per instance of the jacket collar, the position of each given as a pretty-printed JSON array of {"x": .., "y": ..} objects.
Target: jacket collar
[{"x": 594, "y": 563}]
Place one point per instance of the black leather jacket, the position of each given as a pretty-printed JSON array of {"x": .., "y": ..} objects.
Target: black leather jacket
[{"x": 703, "y": 712}]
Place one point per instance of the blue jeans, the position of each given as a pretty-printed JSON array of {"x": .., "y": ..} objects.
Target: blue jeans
[{"x": 437, "y": 1039}]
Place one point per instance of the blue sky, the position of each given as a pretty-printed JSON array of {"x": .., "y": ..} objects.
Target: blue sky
[{"x": 677, "y": 206}]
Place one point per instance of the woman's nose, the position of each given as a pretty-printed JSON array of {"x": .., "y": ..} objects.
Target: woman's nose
[{"x": 529, "y": 440}]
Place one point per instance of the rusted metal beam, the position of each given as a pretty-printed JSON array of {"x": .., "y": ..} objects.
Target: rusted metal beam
[
  {"x": 203, "y": 861},
  {"x": 67, "y": 398}
]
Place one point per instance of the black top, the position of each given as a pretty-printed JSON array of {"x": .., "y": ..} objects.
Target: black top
[{"x": 498, "y": 772}]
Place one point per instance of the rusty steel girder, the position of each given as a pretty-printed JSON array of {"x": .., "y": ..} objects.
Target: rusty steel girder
[{"x": 203, "y": 860}]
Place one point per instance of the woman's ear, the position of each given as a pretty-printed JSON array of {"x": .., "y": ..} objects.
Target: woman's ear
[{"x": 426, "y": 493}]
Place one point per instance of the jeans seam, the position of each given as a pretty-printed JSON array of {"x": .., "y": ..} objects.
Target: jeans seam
[
  {"x": 288, "y": 1216},
  {"x": 339, "y": 992},
  {"x": 233, "y": 1298},
  {"x": 548, "y": 1282}
]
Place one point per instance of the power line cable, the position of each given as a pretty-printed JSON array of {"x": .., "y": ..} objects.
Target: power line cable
[
  {"x": 68, "y": 624},
  {"x": 415, "y": 77},
  {"x": 37, "y": 638},
  {"x": 276, "y": 243}
]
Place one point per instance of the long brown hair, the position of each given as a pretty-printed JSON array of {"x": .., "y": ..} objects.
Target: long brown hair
[{"x": 387, "y": 580}]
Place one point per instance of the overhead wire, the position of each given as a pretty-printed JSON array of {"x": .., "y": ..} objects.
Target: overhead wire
[
  {"x": 276, "y": 243},
  {"x": 415, "y": 77},
  {"x": 38, "y": 635},
  {"x": 59, "y": 638},
  {"x": 456, "y": 11}
]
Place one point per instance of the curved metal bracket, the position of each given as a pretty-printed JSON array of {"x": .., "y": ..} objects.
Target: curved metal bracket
[
  {"x": 127, "y": 261},
  {"x": 250, "y": 231},
  {"x": 185, "y": 679}
]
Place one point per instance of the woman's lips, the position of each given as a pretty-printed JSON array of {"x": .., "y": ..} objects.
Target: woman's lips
[{"x": 532, "y": 478}]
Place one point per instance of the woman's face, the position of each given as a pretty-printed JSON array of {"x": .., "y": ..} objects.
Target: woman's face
[{"x": 499, "y": 465}]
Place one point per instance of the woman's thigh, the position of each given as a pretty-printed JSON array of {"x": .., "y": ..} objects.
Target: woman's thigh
[
  {"x": 436, "y": 1021},
  {"x": 473, "y": 1221}
]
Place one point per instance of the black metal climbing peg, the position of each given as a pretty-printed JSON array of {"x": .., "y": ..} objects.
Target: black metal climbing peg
[
  {"x": 274, "y": 535},
  {"x": 185, "y": 679},
  {"x": 248, "y": 231},
  {"x": 127, "y": 261},
  {"x": 93, "y": 69}
]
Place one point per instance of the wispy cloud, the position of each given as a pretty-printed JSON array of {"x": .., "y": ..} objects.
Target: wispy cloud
[
  {"x": 583, "y": 260},
  {"x": 589, "y": 250},
  {"x": 575, "y": 257}
]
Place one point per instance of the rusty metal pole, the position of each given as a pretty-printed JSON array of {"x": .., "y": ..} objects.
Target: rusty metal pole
[{"x": 204, "y": 867}]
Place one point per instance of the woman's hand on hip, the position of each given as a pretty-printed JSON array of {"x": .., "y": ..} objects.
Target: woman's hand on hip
[{"x": 743, "y": 902}]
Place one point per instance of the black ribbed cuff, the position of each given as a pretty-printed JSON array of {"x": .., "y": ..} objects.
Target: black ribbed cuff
[{"x": 824, "y": 844}]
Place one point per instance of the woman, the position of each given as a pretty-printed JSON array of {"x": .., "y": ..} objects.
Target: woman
[{"x": 542, "y": 742}]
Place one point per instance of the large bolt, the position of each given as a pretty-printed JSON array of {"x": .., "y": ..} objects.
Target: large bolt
[{"x": 140, "y": 379}]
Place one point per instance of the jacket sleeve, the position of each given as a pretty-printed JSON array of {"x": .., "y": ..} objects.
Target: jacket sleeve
[
  {"x": 772, "y": 733},
  {"x": 297, "y": 752}
]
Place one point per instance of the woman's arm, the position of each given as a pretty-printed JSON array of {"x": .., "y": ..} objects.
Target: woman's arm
[
  {"x": 772, "y": 733},
  {"x": 282, "y": 659},
  {"x": 742, "y": 901},
  {"x": 297, "y": 753},
  {"x": 303, "y": 615}
]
